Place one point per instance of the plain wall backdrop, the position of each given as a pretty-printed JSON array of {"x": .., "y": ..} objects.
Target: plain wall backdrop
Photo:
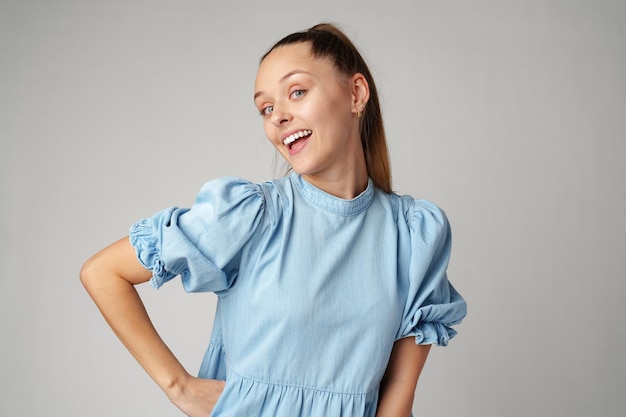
[{"x": 508, "y": 114}]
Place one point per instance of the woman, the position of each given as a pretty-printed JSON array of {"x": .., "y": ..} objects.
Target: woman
[{"x": 330, "y": 287}]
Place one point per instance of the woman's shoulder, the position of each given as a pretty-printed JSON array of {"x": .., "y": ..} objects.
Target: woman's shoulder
[
  {"x": 417, "y": 213},
  {"x": 232, "y": 189},
  {"x": 236, "y": 194},
  {"x": 229, "y": 187},
  {"x": 234, "y": 183}
]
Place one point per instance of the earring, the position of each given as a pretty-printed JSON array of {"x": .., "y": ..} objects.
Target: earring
[{"x": 359, "y": 112}]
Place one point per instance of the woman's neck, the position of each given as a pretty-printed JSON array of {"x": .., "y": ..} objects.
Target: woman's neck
[{"x": 346, "y": 183}]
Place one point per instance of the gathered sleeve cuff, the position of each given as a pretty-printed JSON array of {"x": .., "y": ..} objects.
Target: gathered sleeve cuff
[
  {"x": 433, "y": 305},
  {"x": 202, "y": 244},
  {"x": 145, "y": 244}
]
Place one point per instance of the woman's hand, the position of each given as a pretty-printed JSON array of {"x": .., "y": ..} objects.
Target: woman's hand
[{"x": 196, "y": 397}]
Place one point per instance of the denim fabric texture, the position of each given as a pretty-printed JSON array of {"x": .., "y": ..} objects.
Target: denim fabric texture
[{"x": 313, "y": 290}]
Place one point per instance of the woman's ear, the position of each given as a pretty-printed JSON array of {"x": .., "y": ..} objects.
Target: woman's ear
[{"x": 360, "y": 90}]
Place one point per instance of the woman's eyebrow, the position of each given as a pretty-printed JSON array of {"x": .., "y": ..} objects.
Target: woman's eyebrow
[
  {"x": 292, "y": 73},
  {"x": 283, "y": 78}
]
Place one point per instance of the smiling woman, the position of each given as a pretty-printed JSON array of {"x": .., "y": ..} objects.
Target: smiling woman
[{"x": 330, "y": 287}]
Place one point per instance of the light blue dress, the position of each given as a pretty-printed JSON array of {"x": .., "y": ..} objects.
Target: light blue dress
[{"x": 312, "y": 290}]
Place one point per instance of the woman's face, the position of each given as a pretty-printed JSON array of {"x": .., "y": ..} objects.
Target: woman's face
[{"x": 308, "y": 111}]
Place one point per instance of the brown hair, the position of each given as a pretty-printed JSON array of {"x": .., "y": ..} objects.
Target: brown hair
[{"x": 327, "y": 41}]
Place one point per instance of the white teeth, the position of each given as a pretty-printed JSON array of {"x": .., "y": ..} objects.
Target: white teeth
[{"x": 295, "y": 136}]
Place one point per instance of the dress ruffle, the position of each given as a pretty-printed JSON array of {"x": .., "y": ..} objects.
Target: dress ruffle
[
  {"x": 144, "y": 241},
  {"x": 276, "y": 397},
  {"x": 214, "y": 362},
  {"x": 267, "y": 399}
]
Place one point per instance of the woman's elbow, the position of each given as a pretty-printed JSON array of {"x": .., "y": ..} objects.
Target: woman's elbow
[
  {"x": 115, "y": 263},
  {"x": 88, "y": 273}
]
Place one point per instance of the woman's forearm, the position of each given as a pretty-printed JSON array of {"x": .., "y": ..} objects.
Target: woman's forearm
[{"x": 398, "y": 385}]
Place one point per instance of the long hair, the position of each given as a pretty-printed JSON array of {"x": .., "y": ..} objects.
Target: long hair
[{"x": 327, "y": 41}]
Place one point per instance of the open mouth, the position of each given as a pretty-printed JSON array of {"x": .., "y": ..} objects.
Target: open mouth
[{"x": 291, "y": 139}]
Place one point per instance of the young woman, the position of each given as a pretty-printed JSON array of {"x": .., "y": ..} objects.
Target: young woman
[{"x": 331, "y": 288}]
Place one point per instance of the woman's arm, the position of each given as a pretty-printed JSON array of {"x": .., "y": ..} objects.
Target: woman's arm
[
  {"x": 110, "y": 277},
  {"x": 398, "y": 385}
]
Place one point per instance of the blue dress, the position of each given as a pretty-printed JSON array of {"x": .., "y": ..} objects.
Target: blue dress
[{"x": 313, "y": 290}]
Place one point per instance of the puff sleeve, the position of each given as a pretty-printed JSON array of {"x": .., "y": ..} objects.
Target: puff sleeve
[
  {"x": 202, "y": 244},
  {"x": 433, "y": 305}
]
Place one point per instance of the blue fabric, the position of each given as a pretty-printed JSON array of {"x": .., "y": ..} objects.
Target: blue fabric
[{"x": 313, "y": 290}]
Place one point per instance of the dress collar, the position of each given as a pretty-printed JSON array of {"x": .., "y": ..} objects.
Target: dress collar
[{"x": 331, "y": 203}]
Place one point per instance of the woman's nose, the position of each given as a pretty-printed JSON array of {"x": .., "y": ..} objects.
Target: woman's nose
[{"x": 280, "y": 116}]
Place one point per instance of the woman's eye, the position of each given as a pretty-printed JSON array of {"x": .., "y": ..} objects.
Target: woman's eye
[
  {"x": 266, "y": 111},
  {"x": 297, "y": 94}
]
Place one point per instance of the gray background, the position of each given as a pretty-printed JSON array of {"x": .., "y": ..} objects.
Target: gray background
[{"x": 509, "y": 115}]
